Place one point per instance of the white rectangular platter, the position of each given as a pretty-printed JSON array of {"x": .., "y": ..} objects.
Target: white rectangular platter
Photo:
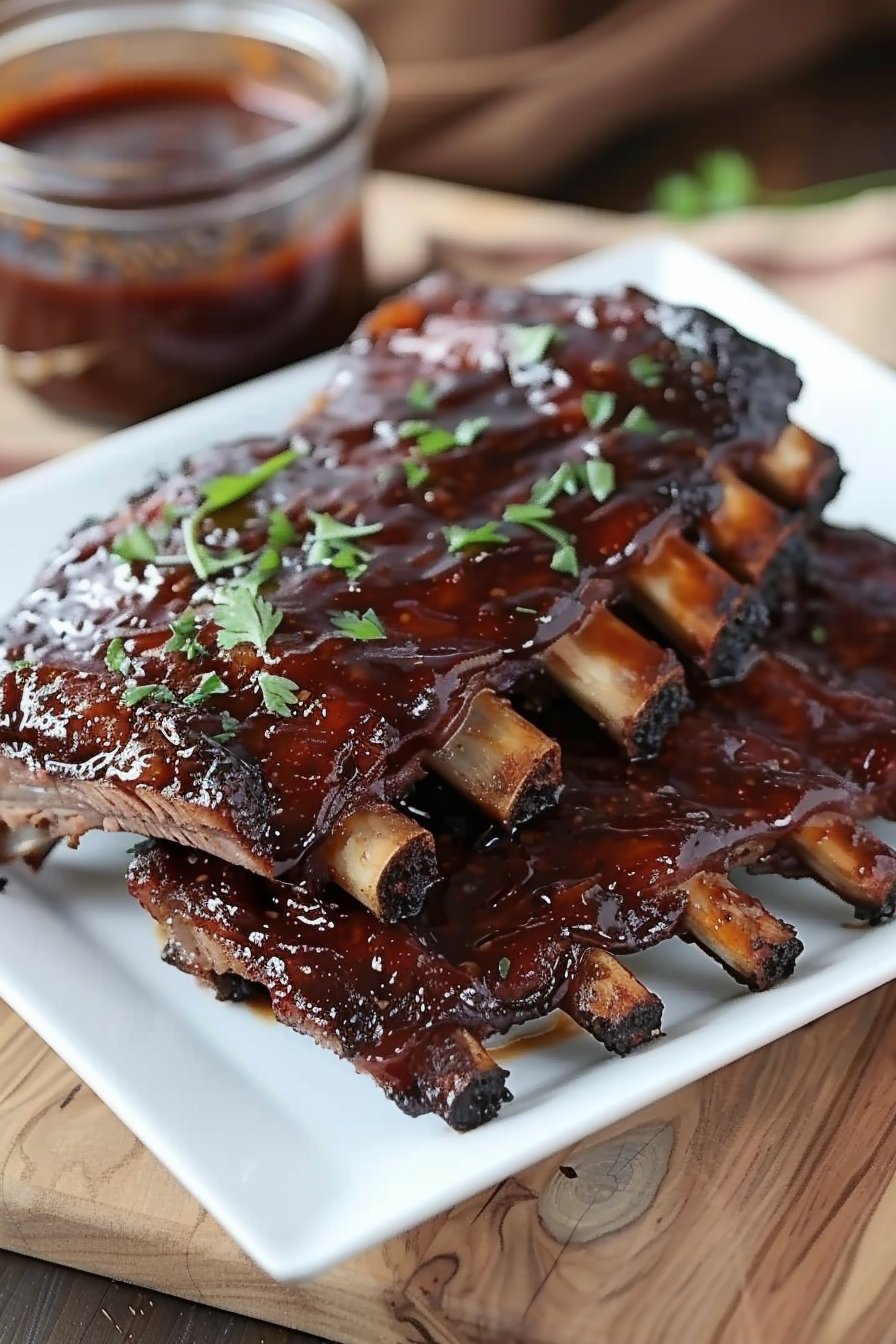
[{"x": 304, "y": 1162}]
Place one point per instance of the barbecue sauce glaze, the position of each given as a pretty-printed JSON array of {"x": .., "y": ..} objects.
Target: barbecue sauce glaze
[
  {"x": 452, "y": 623},
  {"x": 513, "y": 918}
]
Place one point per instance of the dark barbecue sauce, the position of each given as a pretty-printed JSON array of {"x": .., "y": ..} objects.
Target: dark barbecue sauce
[
  {"x": 452, "y": 622},
  {"x": 128, "y": 322},
  {"x": 750, "y": 763}
]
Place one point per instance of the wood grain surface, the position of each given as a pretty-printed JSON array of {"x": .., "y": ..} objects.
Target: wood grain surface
[{"x": 756, "y": 1207}]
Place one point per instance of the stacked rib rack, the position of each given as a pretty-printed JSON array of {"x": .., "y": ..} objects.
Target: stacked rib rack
[{"x": 438, "y": 706}]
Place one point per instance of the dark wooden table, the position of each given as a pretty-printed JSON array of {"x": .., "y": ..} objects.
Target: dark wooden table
[{"x": 832, "y": 122}]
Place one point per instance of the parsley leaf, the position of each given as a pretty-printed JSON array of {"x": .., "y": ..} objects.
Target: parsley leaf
[
  {"x": 278, "y": 693},
  {"x": 21, "y": 665},
  {"x": 598, "y": 408},
  {"x": 135, "y": 695},
  {"x": 267, "y": 563},
  {"x": 639, "y": 422},
  {"x": 504, "y": 967},
  {"x": 219, "y": 493},
  {"x": 412, "y": 429},
  {"x": 461, "y": 538},
  {"x": 600, "y": 476},
  {"x": 647, "y": 371},
  {"x": 421, "y": 395},
  {"x": 117, "y": 659},
  {"x": 564, "y": 559},
  {"x": 134, "y": 543},
  {"x": 672, "y": 435},
  {"x": 436, "y": 441},
  {"x": 211, "y": 684},
  {"x": 818, "y": 634},
  {"x": 416, "y": 472},
  {"x": 281, "y": 532},
  {"x": 469, "y": 430},
  {"x": 356, "y": 626},
  {"x": 222, "y": 491},
  {"x": 244, "y": 617},
  {"x": 183, "y": 637},
  {"x": 229, "y": 729},
  {"x": 529, "y": 345},
  {"x": 527, "y": 515},
  {"x": 333, "y": 543},
  {"x": 564, "y": 480}
]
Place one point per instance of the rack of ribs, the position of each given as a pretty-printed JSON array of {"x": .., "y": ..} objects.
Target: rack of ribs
[{"x": 439, "y": 706}]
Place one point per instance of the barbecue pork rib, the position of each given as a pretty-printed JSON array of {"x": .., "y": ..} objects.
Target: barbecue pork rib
[{"x": 287, "y": 633}]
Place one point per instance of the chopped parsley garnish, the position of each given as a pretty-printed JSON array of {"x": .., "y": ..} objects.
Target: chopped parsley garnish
[
  {"x": 639, "y": 422},
  {"x": 244, "y": 617},
  {"x": 435, "y": 441},
  {"x": 117, "y": 659},
  {"x": 461, "y": 538},
  {"x": 278, "y": 693},
  {"x": 529, "y": 345},
  {"x": 818, "y": 634},
  {"x": 412, "y": 429},
  {"x": 527, "y": 515},
  {"x": 601, "y": 478},
  {"x": 421, "y": 395},
  {"x": 335, "y": 544},
  {"x": 527, "y": 611},
  {"x": 267, "y": 563},
  {"x": 281, "y": 532},
  {"x": 183, "y": 637},
  {"x": 357, "y": 626},
  {"x": 598, "y": 408},
  {"x": 134, "y": 543},
  {"x": 22, "y": 665},
  {"x": 173, "y": 513},
  {"x": 229, "y": 729},
  {"x": 565, "y": 480},
  {"x": 647, "y": 371},
  {"x": 469, "y": 430},
  {"x": 220, "y": 493},
  {"x": 416, "y": 473},
  {"x": 564, "y": 560},
  {"x": 211, "y": 684},
  {"x": 504, "y": 967},
  {"x": 671, "y": 435},
  {"x": 135, "y": 695}
]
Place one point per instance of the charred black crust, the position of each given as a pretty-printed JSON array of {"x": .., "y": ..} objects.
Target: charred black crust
[
  {"x": 407, "y": 879},
  {"x": 542, "y": 790},
  {"x": 789, "y": 561},
  {"x": 776, "y": 964},
  {"x": 748, "y": 622},
  {"x": 659, "y": 718},
  {"x": 480, "y": 1101},
  {"x": 880, "y": 913},
  {"x": 624, "y": 1034},
  {"x": 232, "y": 988}
]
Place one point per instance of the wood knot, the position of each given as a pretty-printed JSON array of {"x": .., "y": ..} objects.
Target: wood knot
[{"x": 604, "y": 1185}]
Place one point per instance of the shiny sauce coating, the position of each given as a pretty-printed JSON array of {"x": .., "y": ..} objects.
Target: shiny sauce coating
[{"x": 446, "y": 621}]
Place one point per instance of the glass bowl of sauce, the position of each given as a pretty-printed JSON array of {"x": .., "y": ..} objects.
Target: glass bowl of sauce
[{"x": 179, "y": 194}]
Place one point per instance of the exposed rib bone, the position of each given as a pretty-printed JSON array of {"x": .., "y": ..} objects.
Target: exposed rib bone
[
  {"x": 848, "y": 859},
  {"x": 707, "y": 615},
  {"x": 799, "y": 472},
  {"x": 610, "y": 1002},
  {"x": 501, "y": 762},
  {"x": 633, "y": 688},
  {"x": 383, "y": 859},
  {"x": 749, "y": 534},
  {"x": 454, "y": 1077},
  {"x": 755, "y": 948}
]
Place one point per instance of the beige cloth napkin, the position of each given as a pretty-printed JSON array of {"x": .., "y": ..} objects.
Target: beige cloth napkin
[
  {"x": 510, "y": 93},
  {"x": 837, "y": 263}
]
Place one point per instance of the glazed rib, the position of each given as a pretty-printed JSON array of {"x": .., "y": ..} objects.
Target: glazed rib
[{"x": 381, "y": 640}]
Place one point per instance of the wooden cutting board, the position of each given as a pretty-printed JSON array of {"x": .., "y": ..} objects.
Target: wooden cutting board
[{"x": 759, "y": 1205}]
